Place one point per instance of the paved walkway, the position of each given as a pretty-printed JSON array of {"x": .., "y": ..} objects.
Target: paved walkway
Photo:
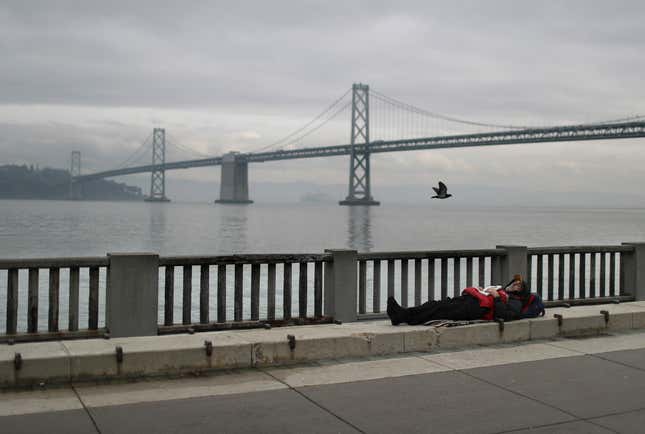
[{"x": 593, "y": 385}]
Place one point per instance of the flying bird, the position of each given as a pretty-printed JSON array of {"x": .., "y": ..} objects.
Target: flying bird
[{"x": 442, "y": 191}]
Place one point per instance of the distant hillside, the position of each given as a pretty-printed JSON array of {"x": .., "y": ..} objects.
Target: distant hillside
[{"x": 27, "y": 182}]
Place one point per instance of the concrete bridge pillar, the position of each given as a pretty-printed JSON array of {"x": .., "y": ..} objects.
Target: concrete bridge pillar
[{"x": 234, "y": 186}]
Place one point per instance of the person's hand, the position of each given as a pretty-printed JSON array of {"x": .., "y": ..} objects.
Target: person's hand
[
  {"x": 515, "y": 286},
  {"x": 493, "y": 292}
]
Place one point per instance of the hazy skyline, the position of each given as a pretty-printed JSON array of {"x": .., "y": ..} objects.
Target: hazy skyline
[{"x": 218, "y": 76}]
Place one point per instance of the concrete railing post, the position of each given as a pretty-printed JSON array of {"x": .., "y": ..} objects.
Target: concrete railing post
[
  {"x": 340, "y": 291},
  {"x": 515, "y": 262},
  {"x": 132, "y": 294},
  {"x": 632, "y": 271}
]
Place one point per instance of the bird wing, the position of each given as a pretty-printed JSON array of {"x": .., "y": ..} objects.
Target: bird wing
[
  {"x": 436, "y": 190},
  {"x": 442, "y": 188}
]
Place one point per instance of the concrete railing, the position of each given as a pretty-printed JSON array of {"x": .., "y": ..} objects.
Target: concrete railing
[
  {"x": 578, "y": 272},
  {"x": 255, "y": 282},
  {"x": 435, "y": 275},
  {"x": 140, "y": 297},
  {"x": 31, "y": 282},
  {"x": 561, "y": 275}
]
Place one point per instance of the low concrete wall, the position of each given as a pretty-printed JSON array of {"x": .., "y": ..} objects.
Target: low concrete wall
[{"x": 68, "y": 361}]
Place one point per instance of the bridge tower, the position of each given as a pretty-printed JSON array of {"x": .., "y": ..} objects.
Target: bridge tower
[
  {"x": 75, "y": 191},
  {"x": 359, "y": 161},
  {"x": 158, "y": 174}
]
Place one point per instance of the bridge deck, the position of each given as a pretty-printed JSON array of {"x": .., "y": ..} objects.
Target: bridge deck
[{"x": 622, "y": 130}]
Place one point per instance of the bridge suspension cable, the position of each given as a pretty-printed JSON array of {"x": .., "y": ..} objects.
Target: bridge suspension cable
[
  {"x": 297, "y": 139},
  {"x": 413, "y": 109},
  {"x": 137, "y": 154},
  {"x": 611, "y": 121},
  {"x": 322, "y": 118},
  {"x": 170, "y": 140}
]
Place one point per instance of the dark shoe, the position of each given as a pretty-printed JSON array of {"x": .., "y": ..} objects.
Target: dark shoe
[
  {"x": 391, "y": 301},
  {"x": 394, "y": 311}
]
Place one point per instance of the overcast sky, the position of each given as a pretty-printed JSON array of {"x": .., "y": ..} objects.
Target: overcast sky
[{"x": 220, "y": 76}]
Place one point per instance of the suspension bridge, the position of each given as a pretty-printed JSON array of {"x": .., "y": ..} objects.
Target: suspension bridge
[{"x": 379, "y": 124}]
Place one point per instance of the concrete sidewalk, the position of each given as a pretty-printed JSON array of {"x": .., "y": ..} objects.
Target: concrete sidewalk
[
  {"x": 565, "y": 385},
  {"x": 119, "y": 359}
]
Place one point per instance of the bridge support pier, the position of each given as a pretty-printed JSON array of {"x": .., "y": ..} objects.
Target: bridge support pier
[
  {"x": 359, "y": 161},
  {"x": 234, "y": 186}
]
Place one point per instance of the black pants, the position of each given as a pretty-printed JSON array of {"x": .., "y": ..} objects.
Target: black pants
[{"x": 463, "y": 308}]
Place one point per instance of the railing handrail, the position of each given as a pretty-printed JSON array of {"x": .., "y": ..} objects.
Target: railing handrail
[
  {"x": 579, "y": 249},
  {"x": 271, "y": 258},
  {"x": 424, "y": 254},
  {"x": 179, "y": 260},
  {"x": 25, "y": 263}
]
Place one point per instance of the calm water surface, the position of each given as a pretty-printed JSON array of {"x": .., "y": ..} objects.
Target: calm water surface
[{"x": 53, "y": 228}]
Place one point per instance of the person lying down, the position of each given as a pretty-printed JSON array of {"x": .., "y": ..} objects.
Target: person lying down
[{"x": 474, "y": 303}]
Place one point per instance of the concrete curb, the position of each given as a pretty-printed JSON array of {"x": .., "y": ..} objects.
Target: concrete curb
[{"x": 95, "y": 359}]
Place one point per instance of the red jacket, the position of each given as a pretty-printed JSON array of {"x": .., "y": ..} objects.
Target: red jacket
[{"x": 486, "y": 300}]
